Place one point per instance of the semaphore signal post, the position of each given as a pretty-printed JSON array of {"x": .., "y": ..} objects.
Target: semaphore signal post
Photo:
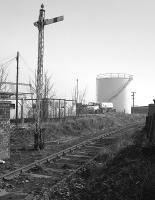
[{"x": 38, "y": 140}]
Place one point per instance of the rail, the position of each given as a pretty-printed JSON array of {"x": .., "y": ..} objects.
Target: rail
[{"x": 59, "y": 154}]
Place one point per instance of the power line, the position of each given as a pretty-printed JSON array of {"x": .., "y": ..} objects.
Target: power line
[
  {"x": 7, "y": 63},
  {"x": 26, "y": 64},
  {"x": 7, "y": 60}
]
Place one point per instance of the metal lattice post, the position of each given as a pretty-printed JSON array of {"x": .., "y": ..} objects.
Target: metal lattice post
[{"x": 38, "y": 143}]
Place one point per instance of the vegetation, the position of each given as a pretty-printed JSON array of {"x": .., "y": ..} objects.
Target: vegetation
[
  {"x": 73, "y": 127},
  {"x": 123, "y": 170},
  {"x": 101, "y": 178}
]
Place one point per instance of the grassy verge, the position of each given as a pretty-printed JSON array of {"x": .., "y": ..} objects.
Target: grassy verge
[
  {"x": 124, "y": 170},
  {"x": 21, "y": 138}
]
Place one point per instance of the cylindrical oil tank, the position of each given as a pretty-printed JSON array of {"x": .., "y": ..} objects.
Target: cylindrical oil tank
[{"x": 114, "y": 88}]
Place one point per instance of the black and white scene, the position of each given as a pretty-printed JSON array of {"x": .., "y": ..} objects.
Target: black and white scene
[{"x": 77, "y": 108}]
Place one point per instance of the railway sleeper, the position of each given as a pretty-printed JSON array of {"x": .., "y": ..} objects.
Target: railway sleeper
[
  {"x": 35, "y": 175},
  {"x": 62, "y": 166},
  {"x": 89, "y": 152},
  {"x": 54, "y": 170},
  {"x": 47, "y": 173},
  {"x": 11, "y": 195},
  {"x": 97, "y": 144},
  {"x": 70, "y": 161},
  {"x": 12, "y": 176},
  {"x": 78, "y": 156},
  {"x": 94, "y": 147},
  {"x": 86, "y": 153}
]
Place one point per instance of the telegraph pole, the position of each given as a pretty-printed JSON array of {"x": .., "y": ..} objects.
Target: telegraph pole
[
  {"x": 133, "y": 98},
  {"x": 77, "y": 85},
  {"x": 17, "y": 75},
  {"x": 38, "y": 141}
]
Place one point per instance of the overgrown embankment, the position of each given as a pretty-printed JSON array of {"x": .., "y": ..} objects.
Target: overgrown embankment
[
  {"x": 125, "y": 169},
  {"x": 87, "y": 184},
  {"x": 73, "y": 127}
]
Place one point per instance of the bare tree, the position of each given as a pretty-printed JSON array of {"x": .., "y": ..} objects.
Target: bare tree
[
  {"x": 47, "y": 88},
  {"x": 47, "y": 91},
  {"x": 82, "y": 96},
  {"x": 79, "y": 95}
]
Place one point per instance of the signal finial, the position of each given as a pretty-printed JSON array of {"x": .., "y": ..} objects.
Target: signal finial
[{"x": 42, "y": 6}]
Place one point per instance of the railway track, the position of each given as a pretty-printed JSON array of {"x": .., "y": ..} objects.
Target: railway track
[{"x": 54, "y": 168}]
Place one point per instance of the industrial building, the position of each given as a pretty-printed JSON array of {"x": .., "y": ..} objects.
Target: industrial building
[{"x": 113, "y": 88}]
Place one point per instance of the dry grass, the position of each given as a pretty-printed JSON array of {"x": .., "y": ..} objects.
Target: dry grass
[
  {"x": 97, "y": 122},
  {"x": 23, "y": 139},
  {"x": 124, "y": 170}
]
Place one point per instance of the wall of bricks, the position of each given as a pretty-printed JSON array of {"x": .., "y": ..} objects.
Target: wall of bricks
[{"x": 4, "y": 129}]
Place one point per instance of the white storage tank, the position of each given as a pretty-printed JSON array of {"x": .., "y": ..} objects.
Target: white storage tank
[{"x": 114, "y": 88}]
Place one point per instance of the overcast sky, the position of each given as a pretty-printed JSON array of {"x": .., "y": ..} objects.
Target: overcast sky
[{"x": 96, "y": 37}]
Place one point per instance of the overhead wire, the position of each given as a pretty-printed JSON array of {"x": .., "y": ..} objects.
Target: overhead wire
[
  {"x": 30, "y": 70},
  {"x": 7, "y": 62},
  {"x": 4, "y": 66},
  {"x": 27, "y": 65},
  {"x": 3, "y": 69}
]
